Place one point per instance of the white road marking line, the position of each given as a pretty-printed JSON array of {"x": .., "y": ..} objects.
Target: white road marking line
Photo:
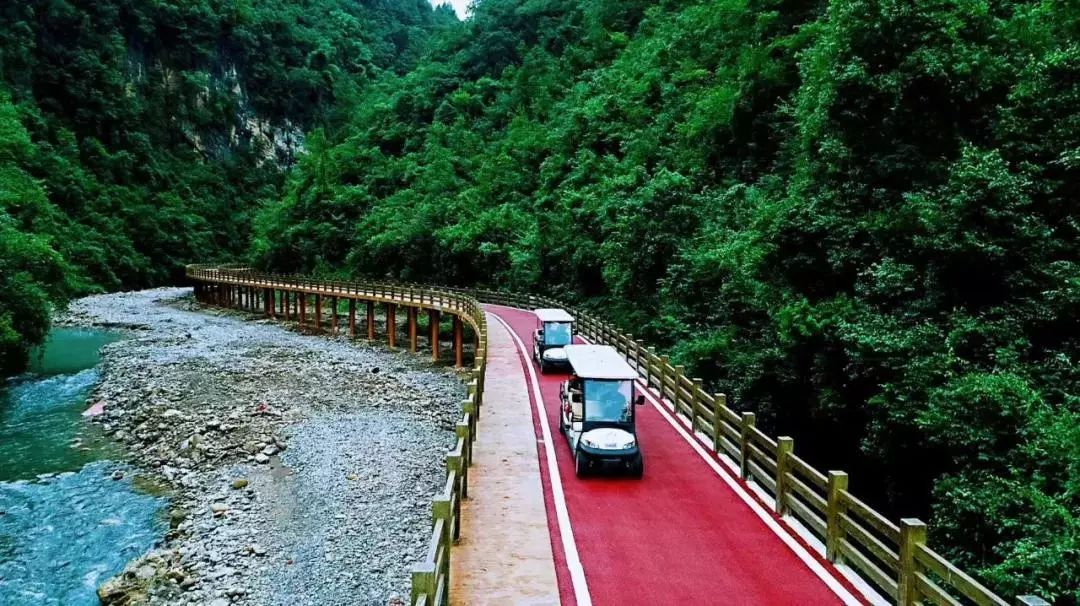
[
  {"x": 766, "y": 517},
  {"x": 573, "y": 560}
]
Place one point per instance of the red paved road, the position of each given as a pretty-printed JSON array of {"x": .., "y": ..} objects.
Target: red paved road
[{"x": 680, "y": 535}]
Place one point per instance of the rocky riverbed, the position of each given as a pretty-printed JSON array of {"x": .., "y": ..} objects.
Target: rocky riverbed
[{"x": 300, "y": 468}]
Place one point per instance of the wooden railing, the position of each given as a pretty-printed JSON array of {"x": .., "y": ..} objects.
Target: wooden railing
[
  {"x": 431, "y": 577},
  {"x": 893, "y": 560}
]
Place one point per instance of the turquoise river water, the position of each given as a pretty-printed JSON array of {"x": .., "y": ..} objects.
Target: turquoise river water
[{"x": 65, "y": 524}]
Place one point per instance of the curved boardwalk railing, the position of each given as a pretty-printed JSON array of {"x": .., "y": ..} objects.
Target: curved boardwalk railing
[
  {"x": 892, "y": 559},
  {"x": 240, "y": 287}
]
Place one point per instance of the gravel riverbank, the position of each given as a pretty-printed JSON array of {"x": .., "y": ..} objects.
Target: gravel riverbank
[{"x": 300, "y": 468}]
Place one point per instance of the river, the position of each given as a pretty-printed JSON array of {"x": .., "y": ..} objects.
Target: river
[{"x": 66, "y": 525}]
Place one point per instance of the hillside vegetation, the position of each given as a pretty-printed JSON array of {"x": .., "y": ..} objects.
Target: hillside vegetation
[
  {"x": 856, "y": 217},
  {"x": 136, "y": 136}
]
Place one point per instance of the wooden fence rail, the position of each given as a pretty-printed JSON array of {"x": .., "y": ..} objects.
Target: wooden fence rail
[
  {"x": 220, "y": 284},
  {"x": 892, "y": 559}
]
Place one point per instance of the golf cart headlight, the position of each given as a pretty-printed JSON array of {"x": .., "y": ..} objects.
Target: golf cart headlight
[
  {"x": 589, "y": 443},
  {"x": 632, "y": 443}
]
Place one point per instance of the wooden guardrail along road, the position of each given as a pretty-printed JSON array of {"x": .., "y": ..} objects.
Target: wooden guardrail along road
[
  {"x": 856, "y": 552},
  {"x": 293, "y": 297}
]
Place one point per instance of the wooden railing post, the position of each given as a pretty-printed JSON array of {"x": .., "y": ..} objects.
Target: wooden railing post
[
  {"x": 662, "y": 375},
  {"x": 719, "y": 402},
  {"x": 455, "y": 466},
  {"x": 441, "y": 510},
  {"x": 838, "y": 484},
  {"x": 695, "y": 400},
  {"x": 470, "y": 406},
  {"x": 748, "y": 420},
  {"x": 463, "y": 430},
  {"x": 318, "y": 313},
  {"x": 352, "y": 317},
  {"x": 424, "y": 580},
  {"x": 784, "y": 447},
  {"x": 679, "y": 370},
  {"x": 912, "y": 535},
  {"x": 473, "y": 389}
]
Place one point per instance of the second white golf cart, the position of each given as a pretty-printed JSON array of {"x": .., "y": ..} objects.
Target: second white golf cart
[
  {"x": 597, "y": 415},
  {"x": 554, "y": 330}
]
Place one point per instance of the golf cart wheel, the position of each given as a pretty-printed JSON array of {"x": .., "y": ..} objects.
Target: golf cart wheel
[
  {"x": 581, "y": 465},
  {"x": 637, "y": 468}
]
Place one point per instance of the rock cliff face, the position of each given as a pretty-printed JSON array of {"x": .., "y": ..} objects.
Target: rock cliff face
[{"x": 241, "y": 127}]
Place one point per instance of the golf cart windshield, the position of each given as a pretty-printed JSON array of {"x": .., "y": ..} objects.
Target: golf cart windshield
[
  {"x": 608, "y": 401},
  {"x": 557, "y": 333}
]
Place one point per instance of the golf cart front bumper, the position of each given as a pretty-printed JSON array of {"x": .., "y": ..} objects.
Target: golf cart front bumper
[{"x": 603, "y": 457}]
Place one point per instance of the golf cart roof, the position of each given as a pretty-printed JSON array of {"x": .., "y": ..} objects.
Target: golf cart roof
[
  {"x": 553, "y": 315},
  {"x": 598, "y": 362}
]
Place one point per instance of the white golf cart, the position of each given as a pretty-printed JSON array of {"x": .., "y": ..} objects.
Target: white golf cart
[
  {"x": 554, "y": 329},
  {"x": 598, "y": 410}
]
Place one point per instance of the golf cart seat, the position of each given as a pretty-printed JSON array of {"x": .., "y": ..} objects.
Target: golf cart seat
[{"x": 575, "y": 403}]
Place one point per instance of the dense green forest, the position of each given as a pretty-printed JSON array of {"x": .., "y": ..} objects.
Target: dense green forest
[
  {"x": 854, "y": 216},
  {"x": 136, "y": 136}
]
